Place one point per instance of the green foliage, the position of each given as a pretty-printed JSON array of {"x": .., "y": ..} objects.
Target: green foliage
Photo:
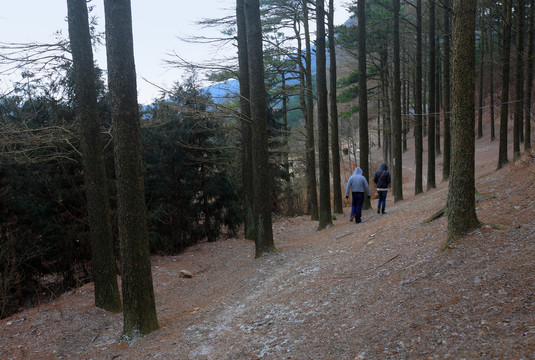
[
  {"x": 191, "y": 190},
  {"x": 191, "y": 194},
  {"x": 222, "y": 76},
  {"x": 348, "y": 94},
  {"x": 349, "y": 113},
  {"x": 352, "y": 78}
]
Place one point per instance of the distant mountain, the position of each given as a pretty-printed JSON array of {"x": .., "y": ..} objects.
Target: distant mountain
[
  {"x": 224, "y": 91},
  {"x": 227, "y": 90}
]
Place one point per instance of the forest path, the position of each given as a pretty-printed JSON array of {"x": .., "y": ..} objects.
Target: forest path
[{"x": 382, "y": 289}]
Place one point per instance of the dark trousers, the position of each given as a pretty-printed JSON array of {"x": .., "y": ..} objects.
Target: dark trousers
[
  {"x": 382, "y": 200},
  {"x": 356, "y": 205}
]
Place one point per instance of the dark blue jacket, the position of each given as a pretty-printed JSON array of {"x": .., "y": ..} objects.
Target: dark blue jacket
[{"x": 385, "y": 179}]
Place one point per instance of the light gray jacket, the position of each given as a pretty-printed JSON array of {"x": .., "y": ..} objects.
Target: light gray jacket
[{"x": 357, "y": 183}]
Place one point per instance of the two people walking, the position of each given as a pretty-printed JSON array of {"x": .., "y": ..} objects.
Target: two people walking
[{"x": 358, "y": 186}]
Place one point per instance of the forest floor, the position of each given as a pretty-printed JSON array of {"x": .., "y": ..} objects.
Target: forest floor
[{"x": 382, "y": 289}]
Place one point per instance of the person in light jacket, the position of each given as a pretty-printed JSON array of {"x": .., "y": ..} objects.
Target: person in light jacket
[
  {"x": 359, "y": 188},
  {"x": 382, "y": 179}
]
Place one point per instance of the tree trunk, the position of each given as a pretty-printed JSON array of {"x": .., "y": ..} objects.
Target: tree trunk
[
  {"x": 379, "y": 112},
  {"x": 363, "y": 98},
  {"x": 333, "y": 111},
  {"x": 323, "y": 119},
  {"x": 506, "y": 66},
  {"x": 491, "y": 85},
  {"x": 519, "y": 79},
  {"x": 285, "y": 152},
  {"x": 104, "y": 269},
  {"x": 397, "y": 162},
  {"x": 387, "y": 129},
  {"x": 138, "y": 294},
  {"x": 446, "y": 158},
  {"x": 461, "y": 206},
  {"x": 418, "y": 133},
  {"x": 405, "y": 101},
  {"x": 245, "y": 119},
  {"x": 431, "y": 182},
  {"x": 481, "y": 76},
  {"x": 310, "y": 145},
  {"x": 529, "y": 79},
  {"x": 261, "y": 175},
  {"x": 437, "y": 97}
]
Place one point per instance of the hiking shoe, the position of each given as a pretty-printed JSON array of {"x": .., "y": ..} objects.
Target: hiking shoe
[
  {"x": 383, "y": 212},
  {"x": 378, "y": 211},
  {"x": 351, "y": 218}
]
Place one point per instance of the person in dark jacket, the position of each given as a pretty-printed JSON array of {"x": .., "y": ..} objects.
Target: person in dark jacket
[
  {"x": 359, "y": 188},
  {"x": 382, "y": 179}
]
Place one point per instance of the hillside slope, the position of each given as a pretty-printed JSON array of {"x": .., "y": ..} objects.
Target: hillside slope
[{"x": 382, "y": 289}]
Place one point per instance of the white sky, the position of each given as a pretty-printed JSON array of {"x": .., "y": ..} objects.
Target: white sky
[{"x": 157, "y": 26}]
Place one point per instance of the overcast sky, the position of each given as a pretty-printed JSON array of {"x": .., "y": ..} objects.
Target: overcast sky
[{"x": 157, "y": 24}]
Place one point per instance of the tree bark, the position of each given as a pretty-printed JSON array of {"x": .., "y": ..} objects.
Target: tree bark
[
  {"x": 519, "y": 79},
  {"x": 387, "y": 127},
  {"x": 363, "y": 98},
  {"x": 446, "y": 158},
  {"x": 310, "y": 144},
  {"x": 138, "y": 293},
  {"x": 323, "y": 120},
  {"x": 437, "y": 97},
  {"x": 261, "y": 175},
  {"x": 461, "y": 206},
  {"x": 481, "y": 77},
  {"x": 333, "y": 111},
  {"x": 418, "y": 132},
  {"x": 100, "y": 232},
  {"x": 397, "y": 162},
  {"x": 245, "y": 120},
  {"x": 431, "y": 182},
  {"x": 529, "y": 79},
  {"x": 491, "y": 85},
  {"x": 506, "y": 66}
]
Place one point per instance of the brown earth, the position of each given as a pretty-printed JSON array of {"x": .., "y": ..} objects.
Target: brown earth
[{"x": 382, "y": 289}]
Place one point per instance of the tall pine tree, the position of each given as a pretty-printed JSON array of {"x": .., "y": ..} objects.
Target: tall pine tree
[{"x": 138, "y": 294}]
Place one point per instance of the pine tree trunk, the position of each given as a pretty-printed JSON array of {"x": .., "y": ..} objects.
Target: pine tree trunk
[
  {"x": 446, "y": 158},
  {"x": 529, "y": 79},
  {"x": 418, "y": 131},
  {"x": 245, "y": 119},
  {"x": 506, "y": 66},
  {"x": 138, "y": 293},
  {"x": 481, "y": 76},
  {"x": 104, "y": 269},
  {"x": 519, "y": 79},
  {"x": 397, "y": 162},
  {"x": 387, "y": 128},
  {"x": 491, "y": 85},
  {"x": 437, "y": 101},
  {"x": 261, "y": 175},
  {"x": 310, "y": 144},
  {"x": 431, "y": 182},
  {"x": 461, "y": 207},
  {"x": 323, "y": 120},
  {"x": 379, "y": 114},
  {"x": 333, "y": 112},
  {"x": 405, "y": 101},
  {"x": 363, "y": 98},
  {"x": 285, "y": 152}
]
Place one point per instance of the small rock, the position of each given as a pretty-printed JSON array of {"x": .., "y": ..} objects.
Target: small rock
[{"x": 185, "y": 274}]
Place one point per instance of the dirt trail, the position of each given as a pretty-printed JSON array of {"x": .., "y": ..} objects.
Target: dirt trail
[{"x": 382, "y": 289}]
